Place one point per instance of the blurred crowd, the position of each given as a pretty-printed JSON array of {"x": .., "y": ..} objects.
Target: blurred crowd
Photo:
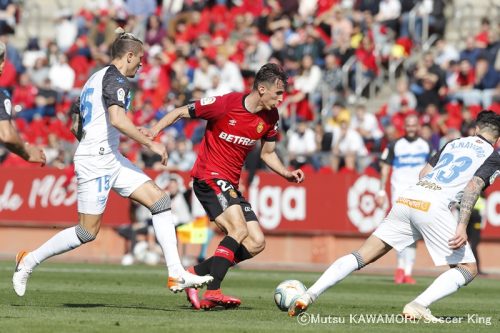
[{"x": 330, "y": 48}]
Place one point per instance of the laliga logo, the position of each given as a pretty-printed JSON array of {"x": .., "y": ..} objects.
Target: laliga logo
[
  {"x": 362, "y": 209},
  {"x": 271, "y": 203}
]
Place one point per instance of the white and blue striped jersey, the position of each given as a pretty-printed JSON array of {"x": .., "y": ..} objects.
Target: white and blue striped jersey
[
  {"x": 457, "y": 162},
  {"x": 105, "y": 88},
  {"x": 407, "y": 157}
]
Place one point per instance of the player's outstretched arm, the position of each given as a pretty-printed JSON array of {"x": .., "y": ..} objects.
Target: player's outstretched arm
[
  {"x": 269, "y": 156},
  {"x": 169, "y": 119},
  {"x": 11, "y": 139},
  {"x": 120, "y": 121},
  {"x": 469, "y": 198}
]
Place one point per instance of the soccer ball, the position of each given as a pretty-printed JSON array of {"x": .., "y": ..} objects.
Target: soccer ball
[{"x": 287, "y": 292}]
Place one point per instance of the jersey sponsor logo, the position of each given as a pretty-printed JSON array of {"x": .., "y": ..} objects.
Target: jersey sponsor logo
[
  {"x": 8, "y": 106},
  {"x": 410, "y": 160},
  {"x": 240, "y": 140},
  {"x": 232, "y": 122},
  {"x": 207, "y": 100},
  {"x": 416, "y": 204},
  {"x": 260, "y": 127},
  {"x": 120, "y": 95}
]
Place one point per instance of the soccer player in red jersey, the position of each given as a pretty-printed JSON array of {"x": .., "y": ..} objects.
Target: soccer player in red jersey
[{"x": 235, "y": 123}]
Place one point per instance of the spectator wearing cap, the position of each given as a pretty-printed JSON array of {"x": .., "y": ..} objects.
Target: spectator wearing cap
[
  {"x": 348, "y": 148},
  {"x": 32, "y": 53}
]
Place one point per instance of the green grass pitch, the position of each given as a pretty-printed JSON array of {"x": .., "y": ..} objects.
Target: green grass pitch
[{"x": 109, "y": 298}]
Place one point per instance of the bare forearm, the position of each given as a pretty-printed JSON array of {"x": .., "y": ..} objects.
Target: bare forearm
[
  {"x": 170, "y": 119},
  {"x": 274, "y": 163},
  {"x": 124, "y": 125},
  {"x": 18, "y": 148},
  {"x": 471, "y": 193},
  {"x": 11, "y": 139}
]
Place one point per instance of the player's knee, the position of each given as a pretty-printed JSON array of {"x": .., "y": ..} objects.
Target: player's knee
[
  {"x": 257, "y": 245},
  {"x": 85, "y": 235},
  {"x": 239, "y": 232},
  {"x": 162, "y": 205}
]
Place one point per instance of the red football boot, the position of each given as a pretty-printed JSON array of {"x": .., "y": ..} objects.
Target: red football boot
[
  {"x": 192, "y": 294},
  {"x": 212, "y": 298},
  {"x": 399, "y": 276},
  {"x": 409, "y": 280}
]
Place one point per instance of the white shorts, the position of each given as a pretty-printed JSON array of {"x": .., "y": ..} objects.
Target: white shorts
[
  {"x": 422, "y": 214},
  {"x": 97, "y": 175}
]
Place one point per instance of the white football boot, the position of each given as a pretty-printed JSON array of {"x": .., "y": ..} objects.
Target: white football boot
[
  {"x": 188, "y": 280},
  {"x": 300, "y": 305},
  {"x": 413, "y": 310},
  {"x": 21, "y": 274}
]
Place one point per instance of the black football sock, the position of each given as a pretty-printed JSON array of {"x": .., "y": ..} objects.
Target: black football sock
[
  {"x": 203, "y": 268},
  {"x": 241, "y": 254},
  {"x": 222, "y": 260}
]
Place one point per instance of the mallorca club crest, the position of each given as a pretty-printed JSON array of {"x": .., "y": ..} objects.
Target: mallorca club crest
[
  {"x": 233, "y": 193},
  {"x": 260, "y": 127}
]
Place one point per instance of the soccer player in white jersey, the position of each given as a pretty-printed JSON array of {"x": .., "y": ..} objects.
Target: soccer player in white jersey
[
  {"x": 100, "y": 167},
  {"x": 406, "y": 157},
  {"x": 456, "y": 174}
]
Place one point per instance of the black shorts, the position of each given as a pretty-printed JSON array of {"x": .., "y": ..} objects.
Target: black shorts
[{"x": 216, "y": 195}]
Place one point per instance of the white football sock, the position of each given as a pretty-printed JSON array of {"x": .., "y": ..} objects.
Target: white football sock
[
  {"x": 167, "y": 238},
  {"x": 444, "y": 285},
  {"x": 401, "y": 259},
  {"x": 61, "y": 242},
  {"x": 335, "y": 273},
  {"x": 410, "y": 254}
]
